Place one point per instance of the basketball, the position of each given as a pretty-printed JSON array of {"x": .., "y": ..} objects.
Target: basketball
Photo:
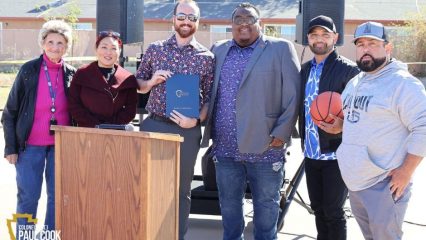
[{"x": 324, "y": 104}]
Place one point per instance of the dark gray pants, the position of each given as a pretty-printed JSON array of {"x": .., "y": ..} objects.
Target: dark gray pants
[
  {"x": 188, "y": 155},
  {"x": 379, "y": 216}
]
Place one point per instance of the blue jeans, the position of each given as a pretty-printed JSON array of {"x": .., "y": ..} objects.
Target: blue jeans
[
  {"x": 265, "y": 181},
  {"x": 31, "y": 164}
]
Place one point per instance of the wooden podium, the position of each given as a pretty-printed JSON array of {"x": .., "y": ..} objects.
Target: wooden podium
[{"x": 113, "y": 184}]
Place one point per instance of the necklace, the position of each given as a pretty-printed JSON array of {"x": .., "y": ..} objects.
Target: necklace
[{"x": 111, "y": 94}]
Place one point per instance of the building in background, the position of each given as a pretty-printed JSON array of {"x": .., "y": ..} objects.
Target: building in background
[{"x": 21, "y": 19}]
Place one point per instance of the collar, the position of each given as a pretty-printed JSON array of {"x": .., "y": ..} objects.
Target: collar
[
  {"x": 329, "y": 59},
  {"x": 51, "y": 64},
  {"x": 315, "y": 64},
  {"x": 252, "y": 46},
  {"x": 172, "y": 41}
]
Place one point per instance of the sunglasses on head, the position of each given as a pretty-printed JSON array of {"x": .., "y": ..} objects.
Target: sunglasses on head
[
  {"x": 183, "y": 16},
  {"x": 109, "y": 34}
]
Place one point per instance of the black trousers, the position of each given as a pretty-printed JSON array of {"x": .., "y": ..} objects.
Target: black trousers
[{"x": 327, "y": 193}]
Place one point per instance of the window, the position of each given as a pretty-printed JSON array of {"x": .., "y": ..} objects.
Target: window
[
  {"x": 287, "y": 31},
  {"x": 220, "y": 32},
  {"x": 83, "y": 26},
  {"x": 220, "y": 29}
]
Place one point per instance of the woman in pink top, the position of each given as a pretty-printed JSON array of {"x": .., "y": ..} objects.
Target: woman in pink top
[{"x": 37, "y": 100}]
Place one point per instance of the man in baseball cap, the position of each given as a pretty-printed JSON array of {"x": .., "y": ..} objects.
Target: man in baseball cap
[
  {"x": 326, "y": 71},
  {"x": 384, "y": 135},
  {"x": 372, "y": 58}
]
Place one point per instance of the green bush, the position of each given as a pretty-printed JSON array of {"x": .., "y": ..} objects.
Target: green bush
[{"x": 410, "y": 42}]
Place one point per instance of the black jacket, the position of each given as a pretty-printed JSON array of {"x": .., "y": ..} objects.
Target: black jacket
[
  {"x": 336, "y": 73},
  {"x": 18, "y": 114}
]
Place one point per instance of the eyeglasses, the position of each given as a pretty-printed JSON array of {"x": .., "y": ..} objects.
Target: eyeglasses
[
  {"x": 245, "y": 20},
  {"x": 183, "y": 16},
  {"x": 109, "y": 34}
]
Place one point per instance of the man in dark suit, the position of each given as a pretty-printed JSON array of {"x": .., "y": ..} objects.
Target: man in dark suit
[
  {"x": 254, "y": 104},
  {"x": 327, "y": 71}
]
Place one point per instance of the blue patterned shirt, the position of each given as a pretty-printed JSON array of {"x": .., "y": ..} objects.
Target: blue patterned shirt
[
  {"x": 224, "y": 132},
  {"x": 312, "y": 147}
]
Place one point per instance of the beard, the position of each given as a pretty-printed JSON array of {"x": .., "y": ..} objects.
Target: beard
[
  {"x": 320, "y": 50},
  {"x": 184, "y": 33},
  {"x": 370, "y": 65}
]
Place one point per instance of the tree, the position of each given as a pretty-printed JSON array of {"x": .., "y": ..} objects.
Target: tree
[
  {"x": 273, "y": 31},
  {"x": 410, "y": 42}
]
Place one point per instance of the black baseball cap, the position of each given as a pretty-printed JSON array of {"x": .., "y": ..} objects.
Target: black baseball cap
[{"x": 322, "y": 21}]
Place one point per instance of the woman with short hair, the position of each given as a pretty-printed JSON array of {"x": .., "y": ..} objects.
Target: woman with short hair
[{"x": 36, "y": 101}]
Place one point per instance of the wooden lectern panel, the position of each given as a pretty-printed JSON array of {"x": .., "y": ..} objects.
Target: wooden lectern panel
[
  {"x": 162, "y": 180},
  {"x": 116, "y": 185}
]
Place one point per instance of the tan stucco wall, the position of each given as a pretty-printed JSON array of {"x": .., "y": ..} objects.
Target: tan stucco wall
[
  {"x": 153, "y": 31},
  {"x": 17, "y": 23},
  {"x": 22, "y": 24}
]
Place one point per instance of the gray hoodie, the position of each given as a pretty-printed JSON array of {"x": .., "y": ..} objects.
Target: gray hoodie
[{"x": 385, "y": 118}]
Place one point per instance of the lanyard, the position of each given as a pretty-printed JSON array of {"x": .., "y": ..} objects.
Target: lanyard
[{"x": 49, "y": 83}]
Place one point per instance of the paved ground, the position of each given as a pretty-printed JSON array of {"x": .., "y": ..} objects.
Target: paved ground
[{"x": 299, "y": 224}]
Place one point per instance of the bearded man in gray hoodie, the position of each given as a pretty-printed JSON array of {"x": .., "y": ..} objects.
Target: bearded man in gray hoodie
[{"x": 384, "y": 135}]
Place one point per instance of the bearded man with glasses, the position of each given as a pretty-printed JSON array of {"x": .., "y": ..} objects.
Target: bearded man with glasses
[
  {"x": 254, "y": 103},
  {"x": 180, "y": 54}
]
